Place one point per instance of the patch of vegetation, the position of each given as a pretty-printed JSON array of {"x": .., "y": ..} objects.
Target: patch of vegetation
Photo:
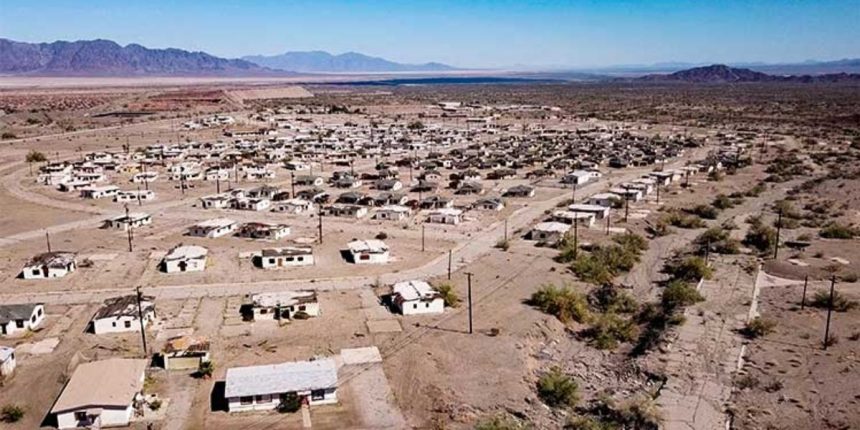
[
  {"x": 678, "y": 295},
  {"x": 640, "y": 413},
  {"x": 839, "y": 231},
  {"x": 761, "y": 237},
  {"x": 821, "y": 299},
  {"x": 604, "y": 263},
  {"x": 609, "y": 329},
  {"x": 679, "y": 219},
  {"x": 503, "y": 244},
  {"x": 609, "y": 298},
  {"x": 12, "y": 413},
  {"x": 718, "y": 240},
  {"x": 563, "y": 303},
  {"x": 557, "y": 389},
  {"x": 723, "y": 201},
  {"x": 705, "y": 211},
  {"x": 689, "y": 269},
  {"x": 205, "y": 369},
  {"x": 747, "y": 381},
  {"x": 758, "y": 327},
  {"x": 290, "y": 403},
  {"x": 501, "y": 422},
  {"x": 449, "y": 295},
  {"x": 8, "y": 135},
  {"x": 381, "y": 235}
]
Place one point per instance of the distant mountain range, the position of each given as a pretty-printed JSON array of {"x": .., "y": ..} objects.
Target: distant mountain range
[
  {"x": 350, "y": 62},
  {"x": 720, "y": 73},
  {"x": 107, "y": 58}
]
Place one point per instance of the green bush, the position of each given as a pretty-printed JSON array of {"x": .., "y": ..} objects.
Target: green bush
[
  {"x": 679, "y": 294},
  {"x": 563, "y": 303},
  {"x": 838, "y": 231},
  {"x": 682, "y": 220},
  {"x": 821, "y": 299},
  {"x": 690, "y": 269},
  {"x": 719, "y": 241},
  {"x": 290, "y": 402},
  {"x": 557, "y": 389},
  {"x": 758, "y": 327},
  {"x": 609, "y": 329},
  {"x": 631, "y": 242},
  {"x": 705, "y": 211},
  {"x": 501, "y": 422},
  {"x": 11, "y": 413},
  {"x": 449, "y": 295},
  {"x": 761, "y": 237},
  {"x": 579, "y": 422},
  {"x": 606, "y": 262},
  {"x": 609, "y": 298}
]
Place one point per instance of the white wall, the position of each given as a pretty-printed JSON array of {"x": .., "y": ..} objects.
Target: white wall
[
  {"x": 416, "y": 307},
  {"x": 117, "y": 324},
  {"x": 266, "y": 262},
  {"x": 272, "y": 401},
  {"x": 193, "y": 266},
  {"x": 372, "y": 258},
  {"x": 109, "y": 417}
]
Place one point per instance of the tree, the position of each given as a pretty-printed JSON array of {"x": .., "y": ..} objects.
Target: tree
[
  {"x": 557, "y": 389},
  {"x": 35, "y": 157}
]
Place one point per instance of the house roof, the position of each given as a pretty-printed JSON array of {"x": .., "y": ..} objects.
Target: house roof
[
  {"x": 183, "y": 252},
  {"x": 284, "y": 298},
  {"x": 552, "y": 227},
  {"x": 17, "y": 312},
  {"x": 414, "y": 290},
  {"x": 124, "y": 306},
  {"x": 112, "y": 382},
  {"x": 281, "y": 378},
  {"x": 187, "y": 344},
  {"x": 286, "y": 251},
  {"x": 52, "y": 259},
  {"x": 216, "y": 223},
  {"x": 371, "y": 245}
]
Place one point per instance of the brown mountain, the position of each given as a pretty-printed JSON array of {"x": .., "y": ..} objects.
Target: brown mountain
[
  {"x": 719, "y": 73},
  {"x": 107, "y": 58}
]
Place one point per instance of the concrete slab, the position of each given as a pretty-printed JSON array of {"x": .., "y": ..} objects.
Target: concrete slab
[
  {"x": 384, "y": 326},
  {"x": 365, "y": 355},
  {"x": 45, "y": 346}
]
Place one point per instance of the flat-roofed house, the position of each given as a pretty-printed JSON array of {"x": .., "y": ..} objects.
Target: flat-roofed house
[
  {"x": 549, "y": 232},
  {"x": 445, "y": 216},
  {"x": 584, "y": 219},
  {"x": 185, "y": 258},
  {"x": 134, "y": 196},
  {"x": 417, "y": 297},
  {"x": 490, "y": 204},
  {"x": 101, "y": 394},
  {"x": 598, "y": 211},
  {"x": 20, "y": 318},
  {"x": 630, "y": 193},
  {"x": 293, "y": 206},
  {"x": 291, "y": 256},
  {"x": 121, "y": 315},
  {"x": 519, "y": 191},
  {"x": 264, "y": 230},
  {"x": 185, "y": 352},
  {"x": 132, "y": 220},
  {"x": 218, "y": 201},
  {"x": 392, "y": 213},
  {"x": 213, "y": 228},
  {"x": 372, "y": 251},
  {"x": 281, "y": 305},
  {"x": 262, "y": 388},
  {"x": 46, "y": 265},
  {"x": 604, "y": 199},
  {"x": 99, "y": 192}
]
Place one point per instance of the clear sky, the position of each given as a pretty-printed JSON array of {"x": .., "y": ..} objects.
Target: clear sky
[{"x": 483, "y": 33}]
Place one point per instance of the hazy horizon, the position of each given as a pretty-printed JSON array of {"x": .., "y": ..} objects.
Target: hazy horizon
[{"x": 481, "y": 34}]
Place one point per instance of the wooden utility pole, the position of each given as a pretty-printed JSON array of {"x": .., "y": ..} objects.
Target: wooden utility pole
[
  {"x": 139, "y": 201},
  {"x": 140, "y": 318},
  {"x": 422, "y": 237},
  {"x": 573, "y": 197},
  {"x": 829, "y": 312},
  {"x": 218, "y": 182},
  {"x": 292, "y": 185},
  {"x": 575, "y": 236},
  {"x": 129, "y": 229},
  {"x": 450, "y": 257},
  {"x": 608, "y": 218},
  {"x": 803, "y": 297},
  {"x": 48, "y": 240},
  {"x": 506, "y": 229},
  {"x": 778, "y": 228},
  {"x": 658, "y": 192},
  {"x": 626, "y": 202},
  {"x": 320, "y": 216},
  {"x": 469, "y": 294}
]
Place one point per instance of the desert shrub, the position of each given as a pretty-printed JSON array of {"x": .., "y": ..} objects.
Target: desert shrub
[
  {"x": 382, "y": 235},
  {"x": 579, "y": 422},
  {"x": 8, "y": 135},
  {"x": 35, "y": 157},
  {"x": 659, "y": 228},
  {"x": 609, "y": 298},
  {"x": 821, "y": 299},
  {"x": 838, "y": 231},
  {"x": 681, "y": 220},
  {"x": 631, "y": 242},
  {"x": 640, "y": 413},
  {"x": 678, "y": 295},
  {"x": 557, "y": 389},
  {"x": 705, "y": 211},
  {"x": 719, "y": 241},
  {"x": 563, "y": 303},
  {"x": 604, "y": 263},
  {"x": 690, "y": 269},
  {"x": 747, "y": 381},
  {"x": 756, "y": 190},
  {"x": 758, "y": 327},
  {"x": 290, "y": 403},
  {"x": 722, "y": 201},
  {"x": 155, "y": 405},
  {"x": 501, "y": 422},
  {"x": 715, "y": 176},
  {"x": 761, "y": 237},
  {"x": 449, "y": 295},
  {"x": 11, "y": 413},
  {"x": 609, "y": 329},
  {"x": 503, "y": 244}
]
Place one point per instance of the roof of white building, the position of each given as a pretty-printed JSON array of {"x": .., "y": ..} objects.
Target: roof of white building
[
  {"x": 371, "y": 245},
  {"x": 186, "y": 252},
  {"x": 580, "y": 207},
  {"x": 112, "y": 382},
  {"x": 280, "y": 378},
  {"x": 414, "y": 290},
  {"x": 216, "y": 223},
  {"x": 283, "y": 298},
  {"x": 552, "y": 227}
]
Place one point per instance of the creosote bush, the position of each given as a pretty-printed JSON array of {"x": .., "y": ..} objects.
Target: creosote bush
[
  {"x": 449, "y": 295},
  {"x": 758, "y": 327},
  {"x": 557, "y": 389},
  {"x": 563, "y": 303},
  {"x": 821, "y": 300},
  {"x": 689, "y": 269}
]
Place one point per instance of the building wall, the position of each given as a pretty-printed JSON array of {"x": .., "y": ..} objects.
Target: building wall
[
  {"x": 117, "y": 325},
  {"x": 270, "y": 402},
  {"x": 266, "y": 262},
  {"x": 193, "y": 266},
  {"x": 8, "y": 366},
  {"x": 417, "y": 307},
  {"x": 110, "y": 417},
  {"x": 371, "y": 258}
]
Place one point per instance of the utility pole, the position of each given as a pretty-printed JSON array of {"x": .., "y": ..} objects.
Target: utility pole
[
  {"x": 139, "y": 201},
  {"x": 575, "y": 236},
  {"x": 422, "y": 237},
  {"x": 218, "y": 182},
  {"x": 320, "y": 217},
  {"x": 140, "y": 318},
  {"x": 450, "y": 257},
  {"x": 778, "y": 228},
  {"x": 608, "y": 218},
  {"x": 129, "y": 230},
  {"x": 658, "y": 192},
  {"x": 292, "y": 185},
  {"x": 626, "y": 202},
  {"x": 829, "y": 311},
  {"x": 803, "y": 298},
  {"x": 469, "y": 294},
  {"x": 506, "y": 229},
  {"x": 145, "y": 180},
  {"x": 573, "y": 197},
  {"x": 48, "y": 240}
]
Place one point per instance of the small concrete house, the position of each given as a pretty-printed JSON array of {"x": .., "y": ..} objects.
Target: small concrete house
[
  {"x": 50, "y": 265},
  {"x": 371, "y": 251},
  {"x": 490, "y": 204},
  {"x": 445, "y": 216},
  {"x": 292, "y": 256},
  {"x": 185, "y": 352},
  {"x": 121, "y": 315},
  {"x": 219, "y": 201},
  {"x": 417, "y": 297},
  {"x": 213, "y": 228},
  {"x": 263, "y": 388},
  {"x": 264, "y": 230},
  {"x": 604, "y": 199},
  {"x": 133, "y": 220},
  {"x": 392, "y": 213},
  {"x": 549, "y": 232},
  {"x": 583, "y": 219},
  {"x": 599, "y": 212},
  {"x": 281, "y": 305},
  {"x": 101, "y": 394},
  {"x": 293, "y": 206},
  {"x": 134, "y": 196},
  {"x": 21, "y": 318},
  {"x": 99, "y": 192},
  {"x": 519, "y": 191},
  {"x": 185, "y": 258}
]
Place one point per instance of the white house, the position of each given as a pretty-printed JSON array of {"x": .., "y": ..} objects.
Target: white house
[
  {"x": 392, "y": 213},
  {"x": 7, "y": 361},
  {"x": 99, "y": 192},
  {"x": 132, "y": 220},
  {"x": 548, "y": 231},
  {"x": 294, "y": 206},
  {"x": 213, "y": 228},
  {"x": 50, "y": 265},
  {"x": 604, "y": 199},
  {"x": 218, "y": 201},
  {"x": 445, "y": 216},
  {"x": 185, "y": 258},
  {"x": 583, "y": 219},
  {"x": 630, "y": 193},
  {"x": 577, "y": 177},
  {"x": 598, "y": 211},
  {"x": 417, "y": 297},
  {"x": 101, "y": 394},
  {"x": 247, "y": 204},
  {"x": 120, "y": 315},
  {"x": 264, "y": 230},
  {"x": 263, "y": 388},
  {"x": 144, "y": 177},
  {"x": 16, "y": 319},
  {"x": 371, "y": 251},
  {"x": 282, "y": 305},
  {"x": 273, "y": 258},
  {"x": 134, "y": 196},
  {"x": 490, "y": 204}
]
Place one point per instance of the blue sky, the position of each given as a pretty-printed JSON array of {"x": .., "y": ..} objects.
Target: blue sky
[{"x": 484, "y": 33}]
